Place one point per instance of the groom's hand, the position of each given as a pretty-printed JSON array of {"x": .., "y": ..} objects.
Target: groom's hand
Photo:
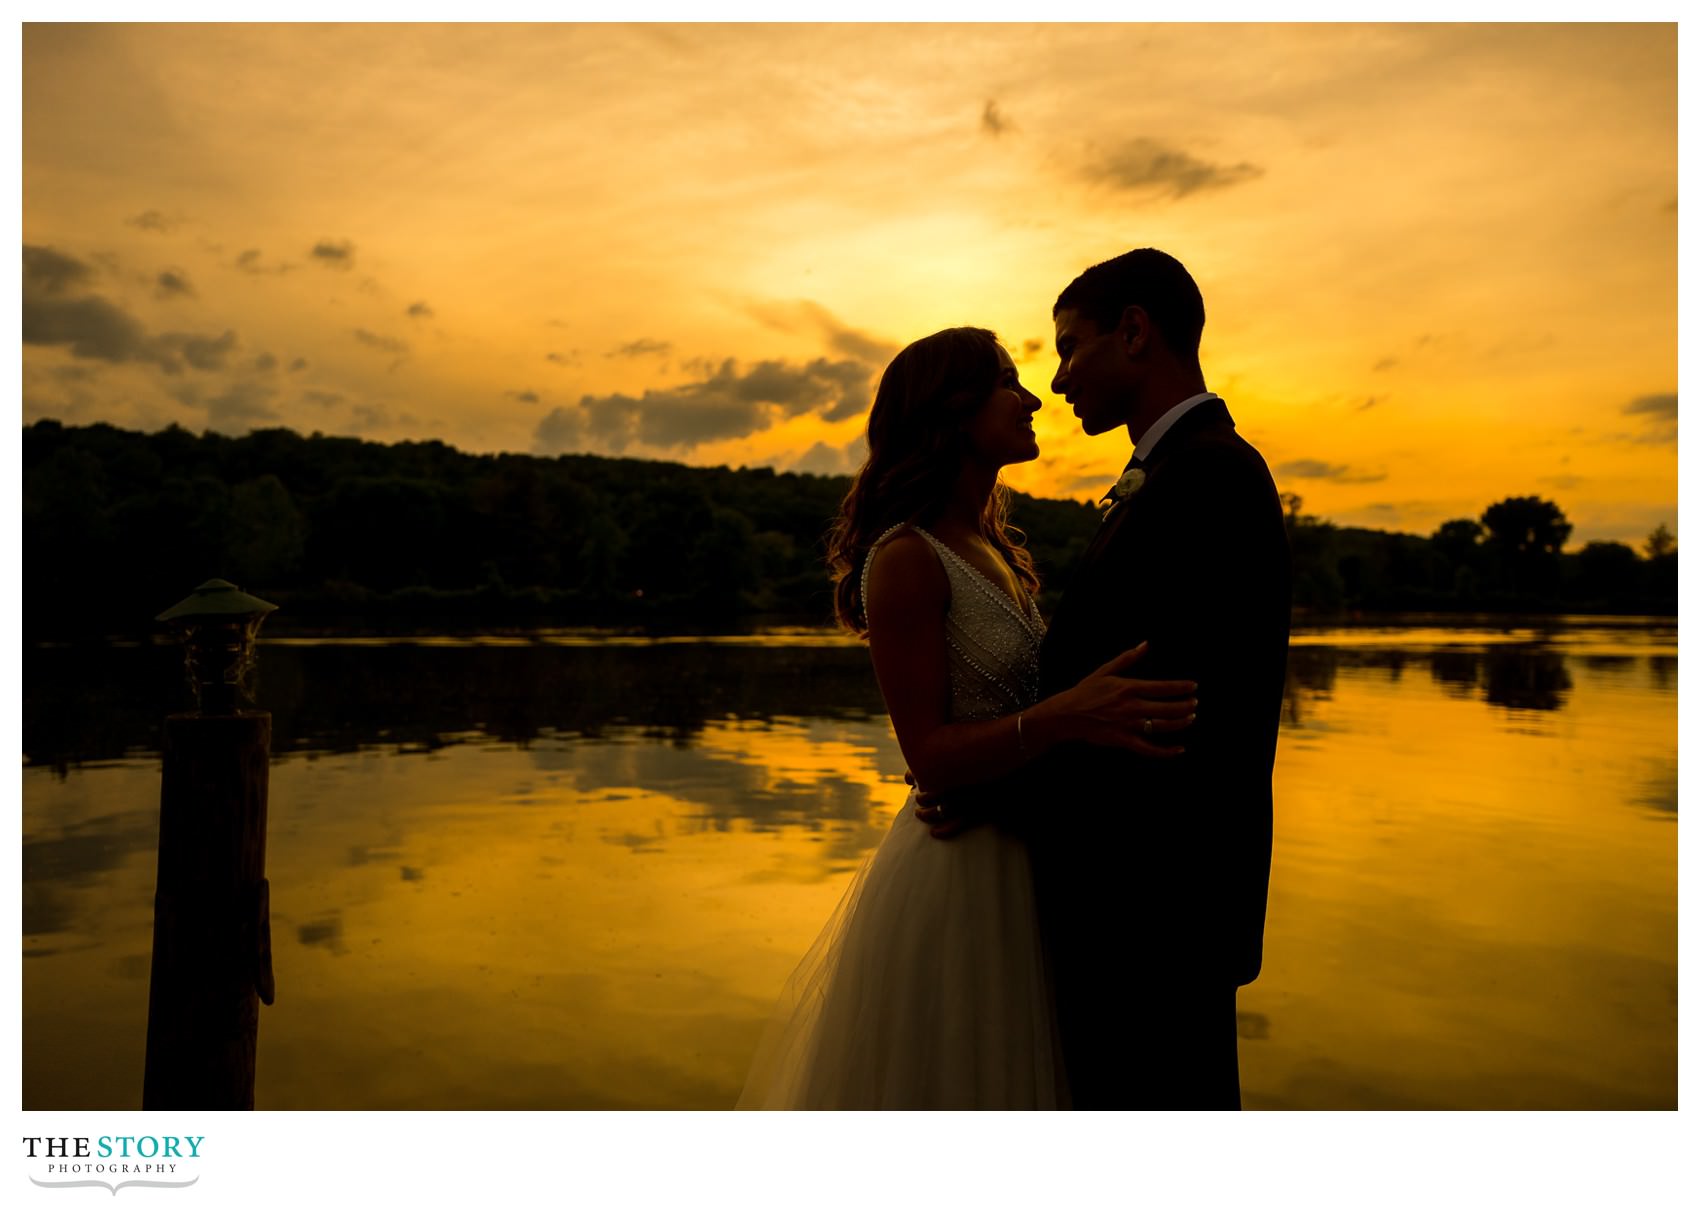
[{"x": 948, "y": 813}]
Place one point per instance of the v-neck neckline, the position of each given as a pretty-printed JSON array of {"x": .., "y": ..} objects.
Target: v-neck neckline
[{"x": 1024, "y": 612}]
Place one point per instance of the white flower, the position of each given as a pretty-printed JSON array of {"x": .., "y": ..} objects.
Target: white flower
[{"x": 1133, "y": 479}]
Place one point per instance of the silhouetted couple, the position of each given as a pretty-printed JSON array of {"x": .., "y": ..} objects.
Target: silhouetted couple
[{"x": 1066, "y": 915}]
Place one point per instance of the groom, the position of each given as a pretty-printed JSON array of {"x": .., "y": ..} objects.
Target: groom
[{"x": 1153, "y": 873}]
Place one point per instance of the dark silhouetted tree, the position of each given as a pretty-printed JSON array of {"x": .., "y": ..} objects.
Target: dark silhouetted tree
[
  {"x": 1317, "y": 578},
  {"x": 1527, "y": 534},
  {"x": 268, "y": 534},
  {"x": 1658, "y": 577},
  {"x": 1458, "y": 546},
  {"x": 1605, "y": 571}
]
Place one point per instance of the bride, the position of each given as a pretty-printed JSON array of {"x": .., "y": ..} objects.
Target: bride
[{"x": 927, "y": 988}]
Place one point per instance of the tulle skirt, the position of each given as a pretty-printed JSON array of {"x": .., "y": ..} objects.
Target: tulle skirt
[{"x": 926, "y": 990}]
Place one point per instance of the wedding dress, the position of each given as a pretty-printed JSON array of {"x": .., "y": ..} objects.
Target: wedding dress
[{"x": 927, "y": 989}]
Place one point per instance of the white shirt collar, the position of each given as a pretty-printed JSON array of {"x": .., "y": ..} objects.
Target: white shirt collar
[{"x": 1148, "y": 440}]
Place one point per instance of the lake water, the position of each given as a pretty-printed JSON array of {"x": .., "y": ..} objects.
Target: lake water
[{"x": 574, "y": 873}]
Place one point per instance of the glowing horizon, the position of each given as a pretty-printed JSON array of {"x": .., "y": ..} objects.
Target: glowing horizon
[{"x": 1439, "y": 262}]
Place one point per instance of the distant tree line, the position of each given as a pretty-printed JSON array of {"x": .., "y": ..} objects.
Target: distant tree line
[
  {"x": 348, "y": 534},
  {"x": 1511, "y": 559}
]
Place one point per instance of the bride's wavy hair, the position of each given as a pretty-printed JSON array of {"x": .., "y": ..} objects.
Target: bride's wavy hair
[{"x": 916, "y": 441}]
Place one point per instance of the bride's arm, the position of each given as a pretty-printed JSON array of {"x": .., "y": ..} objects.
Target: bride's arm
[{"x": 908, "y": 596}]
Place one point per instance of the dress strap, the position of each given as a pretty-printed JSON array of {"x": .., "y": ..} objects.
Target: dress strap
[
  {"x": 868, "y": 562},
  {"x": 1024, "y": 612}
]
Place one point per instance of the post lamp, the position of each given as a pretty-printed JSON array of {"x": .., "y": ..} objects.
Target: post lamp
[
  {"x": 218, "y": 625},
  {"x": 212, "y": 963}
]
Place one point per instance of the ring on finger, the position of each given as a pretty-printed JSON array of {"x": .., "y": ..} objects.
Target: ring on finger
[{"x": 1146, "y": 727}]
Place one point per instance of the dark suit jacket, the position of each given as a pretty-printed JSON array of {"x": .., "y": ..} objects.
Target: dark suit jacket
[{"x": 1159, "y": 868}]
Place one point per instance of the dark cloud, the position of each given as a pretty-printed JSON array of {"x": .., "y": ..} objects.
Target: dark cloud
[
  {"x": 333, "y": 254},
  {"x": 1150, "y": 164},
  {"x": 1659, "y": 408},
  {"x": 152, "y": 220},
  {"x": 992, "y": 120},
  {"x": 824, "y": 460},
  {"x": 250, "y": 261},
  {"x": 324, "y": 399},
  {"x": 857, "y": 345},
  {"x": 376, "y": 341},
  {"x": 203, "y": 353},
  {"x": 1385, "y": 364},
  {"x": 1316, "y": 469},
  {"x": 1370, "y": 402},
  {"x": 563, "y": 359},
  {"x": 1092, "y": 481},
  {"x": 88, "y": 324},
  {"x": 1658, "y": 413},
  {"x": 92, "y": 327},
  {"x": 298, "y": 364},
  {"x": 173, "y": 283},
  {"x": 49, "y": 272},
  {"x": 728, "y": 403},
  {"x": 525, "y": 397},
  {"x": 421, "y": 311},
  {"x": 840, "y": 337},
  {"x": 265, "y": 362},
  {"x": 238, "y": 408},
  {"x": 367, "y": 417},
  {"x": 1563, "y": 483},
  {"x": 563, "y": 429},
  {"x": 642, "y": 347}
]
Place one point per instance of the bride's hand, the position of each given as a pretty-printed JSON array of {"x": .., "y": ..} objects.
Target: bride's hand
[{"x": 1108, "y": 708}]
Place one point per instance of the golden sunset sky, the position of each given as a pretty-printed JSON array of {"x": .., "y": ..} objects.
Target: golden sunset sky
[{"x": 1439, "y": 262}]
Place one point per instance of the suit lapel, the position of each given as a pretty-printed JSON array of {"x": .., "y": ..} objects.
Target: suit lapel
[
  {"x": 1208, "y": 413},
  {"x": 1126, "y": 524}
]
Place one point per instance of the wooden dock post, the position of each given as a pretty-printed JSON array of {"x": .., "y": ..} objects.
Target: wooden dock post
[{"x": 212, "y": 919}]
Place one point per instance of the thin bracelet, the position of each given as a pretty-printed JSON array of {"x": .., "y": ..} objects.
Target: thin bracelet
[{"x": 1020, "y": 741}]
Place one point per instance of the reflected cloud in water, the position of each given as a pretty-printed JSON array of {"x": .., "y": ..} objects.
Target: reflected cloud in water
[{"x": 1658, "y": 789}]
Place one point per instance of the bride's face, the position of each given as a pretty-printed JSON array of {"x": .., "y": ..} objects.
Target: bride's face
[{"x": 1001, "y": 432}]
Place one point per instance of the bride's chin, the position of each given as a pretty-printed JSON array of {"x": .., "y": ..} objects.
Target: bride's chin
[{"x": 1025, "y": 456}]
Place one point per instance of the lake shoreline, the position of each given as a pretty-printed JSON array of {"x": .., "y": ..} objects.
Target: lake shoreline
[{"x": 1305, "y": 623}]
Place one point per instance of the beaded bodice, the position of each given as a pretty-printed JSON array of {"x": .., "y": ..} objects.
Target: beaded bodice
[{"x": 993, "y": 643}]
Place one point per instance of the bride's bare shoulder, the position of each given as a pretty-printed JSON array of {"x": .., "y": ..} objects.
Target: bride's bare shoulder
[{"x": 905, "y": 577}]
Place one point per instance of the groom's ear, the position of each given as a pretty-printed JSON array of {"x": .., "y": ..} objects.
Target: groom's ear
[{"x": 1134, "y": 331}]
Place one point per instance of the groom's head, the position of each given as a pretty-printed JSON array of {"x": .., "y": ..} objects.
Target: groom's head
[{"x": 1127, "y": 338}]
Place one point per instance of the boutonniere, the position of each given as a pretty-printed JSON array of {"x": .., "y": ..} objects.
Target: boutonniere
[{"x": 1133, "y": 479}]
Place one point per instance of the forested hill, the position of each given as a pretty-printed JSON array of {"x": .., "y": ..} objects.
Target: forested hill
[
  {"x": 349, "y": 534},
  {"x": 342, "y": 532}
]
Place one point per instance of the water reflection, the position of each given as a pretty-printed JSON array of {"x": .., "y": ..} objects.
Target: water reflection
[
  {"x": 579, "y": 877},
  {"x": 83, "y": 705},
  {"x": 1657, "y": 788},
  {"x": 89, "y": 705},
  {"x": 1521, "y": 677}
]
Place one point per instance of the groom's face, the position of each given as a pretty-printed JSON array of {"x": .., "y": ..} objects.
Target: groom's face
[{"x": 1094, "y": 373}]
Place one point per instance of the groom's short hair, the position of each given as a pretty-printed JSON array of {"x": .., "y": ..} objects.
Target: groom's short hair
[{"x": 1152, "y": 279}]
